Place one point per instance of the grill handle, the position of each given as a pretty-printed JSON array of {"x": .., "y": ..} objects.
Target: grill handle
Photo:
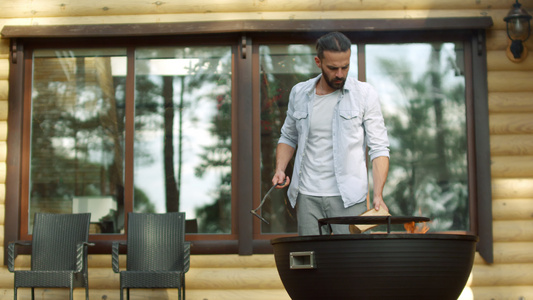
[{"x": 302, "y": 260}]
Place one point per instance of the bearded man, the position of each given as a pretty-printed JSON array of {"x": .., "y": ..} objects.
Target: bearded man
[{"x": 331, "y": 120}]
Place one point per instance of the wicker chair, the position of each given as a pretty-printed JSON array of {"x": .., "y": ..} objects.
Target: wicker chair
[
  {"x": 59, "y": 253},
  {"x": 157, "y": 254}
]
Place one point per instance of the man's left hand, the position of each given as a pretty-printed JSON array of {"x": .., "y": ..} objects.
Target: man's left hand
[{"x": 380, "y": 204}]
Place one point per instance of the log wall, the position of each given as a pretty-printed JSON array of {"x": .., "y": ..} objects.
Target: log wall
[
  {"x": 4, "y": 71},
  {"x": 233, "y": 277},
  {"x": 511, "y": 141},
  {"x": 216, "y": 277}
]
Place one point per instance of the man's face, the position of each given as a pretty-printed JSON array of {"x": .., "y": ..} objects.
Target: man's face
[{"x": 335, "y": 67}]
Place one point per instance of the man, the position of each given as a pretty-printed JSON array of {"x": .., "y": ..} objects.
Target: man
[{"x": 330, "y": 121}]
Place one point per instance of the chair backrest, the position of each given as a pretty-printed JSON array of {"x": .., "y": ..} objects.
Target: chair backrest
[
  {"x": 54, "y": 241},
  {"x": 156, "y": 241}
]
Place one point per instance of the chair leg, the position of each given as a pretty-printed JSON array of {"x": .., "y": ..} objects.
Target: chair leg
[
  {"x": 71, "y": 291},
  {"x": 32, "y": 293},
  {"x": 128, "y": 293},
  {"x": 183, "y": 285},
  {"x": 121, "y": 293},
  {"x": 86, "y": 287},
  {"x": 15, "y": 293}
]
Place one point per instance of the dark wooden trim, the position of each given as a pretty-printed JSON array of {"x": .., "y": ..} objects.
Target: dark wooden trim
[
  {"x": 256, "y": 136},
  {"x": 482, "y": 138},
  {"x": 153, "y": 29},
  {"x": 244, "y": 155},
  {"x": 129, "y": 143},
  {"x": 14, "y": 142},
  {"x": 471, "y": 133},
  {"x": 263, "y": 247},
  {"x": 235, "y": 207},
  {"x": 197, "y": 247},
  {"x": 25, "y": 126},
  {"x": 361, "y": 63},
  {"x": 218, "y": 247}
]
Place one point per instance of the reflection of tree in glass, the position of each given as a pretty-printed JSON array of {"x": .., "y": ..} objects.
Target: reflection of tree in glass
[
  {"x": 216, "y": 217},
  {"x": 428, "y": 167},
  {"x": 148, "y": 109},
  {"x": 77, "y": 132},
  {"x": 281, "y": 69},
  {"x": 274, "y": 100},
  {"x": 169, "y": 100}
]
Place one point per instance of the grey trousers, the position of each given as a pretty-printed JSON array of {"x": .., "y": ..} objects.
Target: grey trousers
[{"x": 310, "y": 209}]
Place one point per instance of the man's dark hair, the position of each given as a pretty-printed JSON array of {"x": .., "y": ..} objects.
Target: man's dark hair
[{"x": 333, "y": 41}]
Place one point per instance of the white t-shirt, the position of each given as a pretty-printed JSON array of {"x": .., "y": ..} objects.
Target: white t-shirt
[{"x": 318, "y": 172}]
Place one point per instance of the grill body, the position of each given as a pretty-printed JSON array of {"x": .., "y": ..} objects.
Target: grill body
[{"x": 375, "y": 266}]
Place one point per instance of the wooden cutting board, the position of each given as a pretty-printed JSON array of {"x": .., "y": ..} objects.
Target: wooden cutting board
[{"x": 364, "y": 227}]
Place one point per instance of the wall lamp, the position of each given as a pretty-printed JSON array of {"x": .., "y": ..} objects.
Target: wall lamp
[{"x": 518, "y": 30}]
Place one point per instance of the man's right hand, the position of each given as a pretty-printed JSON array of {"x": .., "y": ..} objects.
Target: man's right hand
[{"x": 280, "y": 179}]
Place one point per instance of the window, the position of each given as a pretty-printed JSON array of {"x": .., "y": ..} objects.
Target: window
[
  {"x": 182, "y": 136},
  {"x": 126, "y": 128},
  {"x": 191, "y": 122},
  {"x": 182, "y": 148},
  {"x": 428, "y": 100},
  {"x": 77, "y": 136},
  {"x": 423, "y": 98}
]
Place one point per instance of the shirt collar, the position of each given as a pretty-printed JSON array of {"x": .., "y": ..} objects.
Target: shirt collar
[{"x": 315, "y": 82}]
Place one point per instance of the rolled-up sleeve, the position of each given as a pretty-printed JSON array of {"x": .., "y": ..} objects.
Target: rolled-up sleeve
[
  {"x": 376, "y": 133},
  {"x": 289, "y": 132}
]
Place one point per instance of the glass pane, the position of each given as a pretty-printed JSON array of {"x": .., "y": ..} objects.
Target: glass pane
[
  {"x": 77, "y": 135},
  {"x": 281, "y": 67},
  {"x": 183, "y": 134},
  {"x": 422, "y": 91}
]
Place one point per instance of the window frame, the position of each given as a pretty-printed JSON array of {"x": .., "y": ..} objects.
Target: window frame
[{"x": 245, "y": 37}]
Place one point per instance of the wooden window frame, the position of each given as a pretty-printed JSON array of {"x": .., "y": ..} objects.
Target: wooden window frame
[{"x": 245, "y": 125}]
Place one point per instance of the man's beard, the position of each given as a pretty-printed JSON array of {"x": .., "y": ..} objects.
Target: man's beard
[{"x": 332, "y": 83}]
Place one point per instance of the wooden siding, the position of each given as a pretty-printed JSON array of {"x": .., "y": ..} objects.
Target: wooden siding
[
  {"x": 217, "y": 277},
  {"x": 511, "y": 135},
  {"x": 255, "y": 277},
  {"x": 4, "y": 71}
]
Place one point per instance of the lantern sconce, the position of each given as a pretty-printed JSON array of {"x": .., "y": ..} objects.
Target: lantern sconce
[{"x": 518, "y": 31}]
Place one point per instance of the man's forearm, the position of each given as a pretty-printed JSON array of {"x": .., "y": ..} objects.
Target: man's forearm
[
  {"x": 380, "y": 171},
  {"x": 284, "y": 154}
]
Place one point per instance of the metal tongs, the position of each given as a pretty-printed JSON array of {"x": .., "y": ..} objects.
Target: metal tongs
[{"x": 254, "y": 211}]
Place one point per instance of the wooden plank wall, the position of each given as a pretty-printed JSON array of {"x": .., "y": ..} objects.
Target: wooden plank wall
[
  {"x": 220, "y": 277},
  {"x": 511, "y": 142},
  {"x": 4, "y": 72},
  {"x": 211, "y": 277}
]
